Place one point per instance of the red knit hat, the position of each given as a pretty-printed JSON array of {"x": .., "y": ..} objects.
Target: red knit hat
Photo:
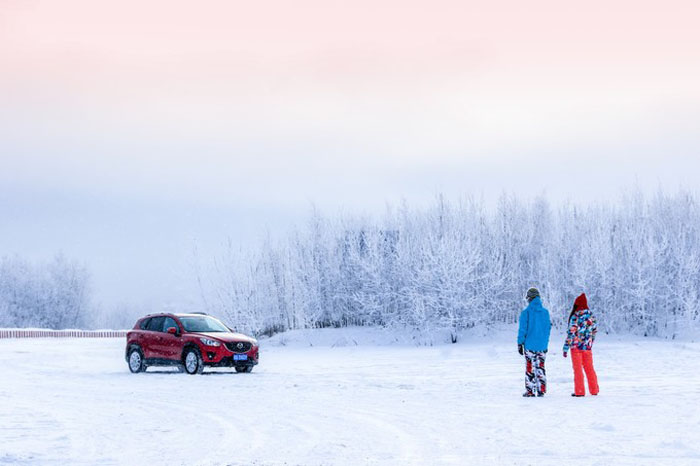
[{"x": 581, "y": 302}]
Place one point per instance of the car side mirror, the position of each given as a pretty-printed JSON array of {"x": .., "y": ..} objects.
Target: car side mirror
[{"x": 172, "y": 330}]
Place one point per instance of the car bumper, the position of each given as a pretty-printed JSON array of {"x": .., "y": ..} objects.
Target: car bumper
[
  {"x": 228, "y": 361},
  {"x": 225, "y": 358}
]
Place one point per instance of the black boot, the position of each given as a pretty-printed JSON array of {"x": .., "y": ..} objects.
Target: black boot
[
  {"x": 528, "y": 394},
  {"x": 574, "y": 394}
]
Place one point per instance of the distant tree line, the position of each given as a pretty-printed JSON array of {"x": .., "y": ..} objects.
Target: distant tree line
[
  {"x": 455, "y": 265},
  {"x": 47, "y": 295}
]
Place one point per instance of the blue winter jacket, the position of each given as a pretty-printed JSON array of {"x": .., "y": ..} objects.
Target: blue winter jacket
[{"x": 534, "y": 326}]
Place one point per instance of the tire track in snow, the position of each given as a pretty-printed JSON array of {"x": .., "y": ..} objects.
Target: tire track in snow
[{"x": 409, "y": 445}]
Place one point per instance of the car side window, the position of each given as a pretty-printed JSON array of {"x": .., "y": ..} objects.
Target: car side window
[
  {"x": 169, "y": 322},
  {"x": 156, "y": 324},
  {"x": 144, "y": 324}
]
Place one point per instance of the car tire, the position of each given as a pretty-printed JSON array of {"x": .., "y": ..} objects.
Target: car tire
[
  {"x": 136, "y": 363},
  {"x": 193, "y": 361},
  {"x": 245, "y": 369}
]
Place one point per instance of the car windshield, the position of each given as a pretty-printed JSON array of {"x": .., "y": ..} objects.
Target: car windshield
[{"x": 202, "y": 324}]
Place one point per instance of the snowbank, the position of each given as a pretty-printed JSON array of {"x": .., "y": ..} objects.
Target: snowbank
[{"x": 378, "y": 336}]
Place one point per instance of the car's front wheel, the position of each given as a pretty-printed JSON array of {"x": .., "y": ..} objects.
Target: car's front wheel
[
  {"x": 193, "y": 362},
  {"x": 136, "y": 363},
  {"x": 245, "y": 369}
]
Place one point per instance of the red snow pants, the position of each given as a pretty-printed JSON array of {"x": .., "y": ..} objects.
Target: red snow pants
[{"x": 582, "y": 360}]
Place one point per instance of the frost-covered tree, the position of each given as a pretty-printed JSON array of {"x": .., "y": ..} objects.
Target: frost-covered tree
[{"x": 50, "y": 295}]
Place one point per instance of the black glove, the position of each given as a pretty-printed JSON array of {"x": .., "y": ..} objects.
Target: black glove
[{"x": 521, "y": 349}]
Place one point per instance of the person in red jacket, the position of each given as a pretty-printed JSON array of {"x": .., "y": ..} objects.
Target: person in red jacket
[{"x": 579, "y": 338}]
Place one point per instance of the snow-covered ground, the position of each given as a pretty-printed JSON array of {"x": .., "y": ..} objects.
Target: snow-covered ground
[{"x": 73, "y": 401}]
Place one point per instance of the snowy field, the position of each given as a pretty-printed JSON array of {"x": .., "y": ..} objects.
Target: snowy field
[{"x": 73, "y": 402}]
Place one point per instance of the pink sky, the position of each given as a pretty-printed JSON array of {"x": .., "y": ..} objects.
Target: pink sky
[
  {"x": 314, "y": 87},
  {"x": 73, "y": 44}
]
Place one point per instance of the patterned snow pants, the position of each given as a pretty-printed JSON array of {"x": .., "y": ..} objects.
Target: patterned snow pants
[{"x": 535, "y": 374}]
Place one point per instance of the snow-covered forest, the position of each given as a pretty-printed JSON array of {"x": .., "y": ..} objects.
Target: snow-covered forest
[
  {"x": 455, "y": 265},
  {"x": 444, "y": 268},
  {"x": 46, "y": 295}
]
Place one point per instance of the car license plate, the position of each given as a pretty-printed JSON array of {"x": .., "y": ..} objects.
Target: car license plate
[{"x": 240, "y": 357}]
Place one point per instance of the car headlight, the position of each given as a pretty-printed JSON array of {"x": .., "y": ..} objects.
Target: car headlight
[{"x": 210, "y": 342}]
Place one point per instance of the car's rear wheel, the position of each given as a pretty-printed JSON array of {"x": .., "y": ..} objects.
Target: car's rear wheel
[
  {"x": 193, "y": 362},
  {"x": 136, "y": 363},
  {"x": 245, "y": 369}
]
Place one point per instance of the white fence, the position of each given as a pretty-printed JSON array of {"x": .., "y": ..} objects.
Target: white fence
[{"x": 44, "y": 333}]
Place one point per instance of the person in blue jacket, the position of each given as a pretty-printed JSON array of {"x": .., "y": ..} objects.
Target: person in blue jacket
[{"x": 533, "y": 340}]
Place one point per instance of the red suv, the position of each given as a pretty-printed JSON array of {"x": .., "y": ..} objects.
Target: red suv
[{"x": 190, "y": 342}]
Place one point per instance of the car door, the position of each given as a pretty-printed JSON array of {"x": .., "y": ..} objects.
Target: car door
[
  {"x": 153, "y": 337},
  {"x": 170, "y": 345}
]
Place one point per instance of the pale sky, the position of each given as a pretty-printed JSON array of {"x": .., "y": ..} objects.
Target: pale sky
[{"x": 131, "y": 130}]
